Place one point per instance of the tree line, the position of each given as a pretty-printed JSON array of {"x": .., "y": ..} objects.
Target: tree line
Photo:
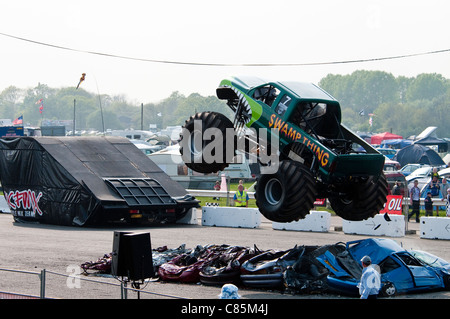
[{"x": 400, "y": 105}]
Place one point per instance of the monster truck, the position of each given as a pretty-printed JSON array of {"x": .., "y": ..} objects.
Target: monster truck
[{"x": 318, "y": 156}]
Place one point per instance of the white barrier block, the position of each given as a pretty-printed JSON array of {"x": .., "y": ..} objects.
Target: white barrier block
[
  {"x": 231, "y": 217},
  {"x": 435, "y": 227},
  {"x": 376, "y": 226},
  {"x": 315, "y": 221},
  {"x": 190, "y": 218},
  {"x": 4, "y": 207}
]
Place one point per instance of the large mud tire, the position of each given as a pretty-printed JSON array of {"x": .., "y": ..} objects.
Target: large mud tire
[
  {"x": 286, "y": 195},
  {"x": 364, "y": 200},
  {"x": 192, "y": 153}
]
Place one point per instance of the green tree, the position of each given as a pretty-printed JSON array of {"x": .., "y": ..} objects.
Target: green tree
[
  {"x": 10, "y": 102},
  {"x": 427, "y": 87}
]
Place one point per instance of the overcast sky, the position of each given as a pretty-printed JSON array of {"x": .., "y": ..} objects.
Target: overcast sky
[{"x": 209, "y": 31}]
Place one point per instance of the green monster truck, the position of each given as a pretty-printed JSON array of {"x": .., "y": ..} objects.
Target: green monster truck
[{"x": 316, "y": 156}]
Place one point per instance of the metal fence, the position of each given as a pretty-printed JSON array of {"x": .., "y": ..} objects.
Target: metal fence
[{"x": 43, "y": 276}]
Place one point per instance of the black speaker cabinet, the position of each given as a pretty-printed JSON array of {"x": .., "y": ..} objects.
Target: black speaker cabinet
[{"x": 132, "y": 256}]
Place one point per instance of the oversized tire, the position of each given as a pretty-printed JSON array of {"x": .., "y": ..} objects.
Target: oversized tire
[
  {"x": 193, "y": 142},
  {"x": 286, "y": 195},
  {"x": 362, "y": 200}
]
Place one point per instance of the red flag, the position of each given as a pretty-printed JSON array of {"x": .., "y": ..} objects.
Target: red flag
[{"x": 41, "y": 107}]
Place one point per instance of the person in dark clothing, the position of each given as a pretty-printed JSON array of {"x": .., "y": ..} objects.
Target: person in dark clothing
[
  {"x": 435, "y": 188},
  {"x": 396, "y": 188},
  {"x": 415, "y": 201},
  {"x": 428, "y": 205}
]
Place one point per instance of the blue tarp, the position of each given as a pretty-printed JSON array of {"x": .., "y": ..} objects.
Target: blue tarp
[{"x": 396, "y": 143}]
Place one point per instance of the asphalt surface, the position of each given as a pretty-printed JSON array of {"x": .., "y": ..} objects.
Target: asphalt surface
[{"x": 60, "y": 250}]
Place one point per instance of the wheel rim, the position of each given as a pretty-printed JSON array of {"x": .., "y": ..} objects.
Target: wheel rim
[
  {"x": 273, "y": 191},
  {"x": 390, "y": 290}
]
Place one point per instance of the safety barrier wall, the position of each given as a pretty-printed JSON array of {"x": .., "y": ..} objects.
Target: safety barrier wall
[
  {"x": 241, "y": 217},
  {"x": 376, "y": 226},
  {"x": 430, "y": 228},
  {"x": 435, "y": 227},
  {"x": 315, "y": 221}
]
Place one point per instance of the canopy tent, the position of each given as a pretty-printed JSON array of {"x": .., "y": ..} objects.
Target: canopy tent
[
  {"x": 418, "y": 154},
  {"x": 440, "y": 143},
  {"x": 378, "y": 138}
]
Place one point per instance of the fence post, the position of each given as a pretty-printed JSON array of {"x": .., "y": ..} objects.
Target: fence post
[
  {"x": 42, "y": 278},
  {"x": 123, "y": 290}
]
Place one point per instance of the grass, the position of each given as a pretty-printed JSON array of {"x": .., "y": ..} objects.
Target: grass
[{"x": 222, "y": 201}]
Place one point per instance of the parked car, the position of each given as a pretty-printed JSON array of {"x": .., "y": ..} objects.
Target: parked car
[
  {"x": 390, "y": 165},
  {"x": 388, "y": 152},
  {"x": 423, "y": 171},
  {"x": 401, "y": 271},
  {"x": 409, "y": 168},
  {"x": 444, "y": 172}
]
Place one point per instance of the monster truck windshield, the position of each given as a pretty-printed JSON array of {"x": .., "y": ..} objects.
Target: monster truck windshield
[
  {"x": 267, "y": 94},
  {"x": 313, "y": 110},
  {"x": 308, "y": 115}
]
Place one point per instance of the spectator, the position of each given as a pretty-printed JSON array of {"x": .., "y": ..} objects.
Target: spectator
[
  {"x": 415, "y": 201},
  {"x": 444, "y": 187},
  {"x": 217, "y": 188},
  {"x": 241, "y": 197},
  {"x": 448, "y": 202},
  {"x": 370, "y": 283},
  {"x": 434, "y": 173},
  {"x": 396, "y": 188},
  {"x": 428, "y": 205},
  {"x": 434, "y": 189}
]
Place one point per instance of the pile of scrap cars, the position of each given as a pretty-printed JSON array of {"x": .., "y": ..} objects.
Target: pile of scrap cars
[{"x": 333, "y": 268}]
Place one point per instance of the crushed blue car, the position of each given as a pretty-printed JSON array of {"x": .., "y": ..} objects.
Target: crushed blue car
[{"x": 401, "y": 271}]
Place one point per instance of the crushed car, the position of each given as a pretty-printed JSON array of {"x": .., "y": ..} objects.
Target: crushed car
[
  {"x": 226, "y": 269},
  {"x": 187, "y": 267},
  {"x": 332, "y": 268},
  {"x": 295, "y": 269},
  {"x": 401, "y": 271}
]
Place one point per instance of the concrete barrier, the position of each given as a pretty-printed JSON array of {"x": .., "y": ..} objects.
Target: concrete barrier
[
  {"x": 435, "y": 227},
  {"x": 4, "y": 208},
  {"x": 190, "y": 218},
  {"x": 376, "y": 226},
  {"x": 315, "y": 221},
  {"x": 231, "y": 217}
]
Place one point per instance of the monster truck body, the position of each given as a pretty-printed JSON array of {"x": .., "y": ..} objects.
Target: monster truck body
[{"x": 318, "y": 156}]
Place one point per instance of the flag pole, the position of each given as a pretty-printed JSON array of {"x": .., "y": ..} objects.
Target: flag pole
[{"x": 74, "y": 102}]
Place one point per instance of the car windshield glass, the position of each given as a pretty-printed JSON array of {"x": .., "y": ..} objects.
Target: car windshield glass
[
  {"x": 423, "y": 171},
  {"x": 429, "y": 259}
]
